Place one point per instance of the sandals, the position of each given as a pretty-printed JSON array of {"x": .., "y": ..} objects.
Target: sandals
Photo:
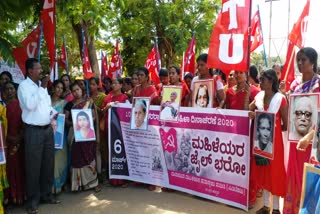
[
  {"x": 263, "y": 210},
  {"x": 97, "y": 189},
  {"x": 276, "y": 212},
  {"x": 32, "y": 211}
]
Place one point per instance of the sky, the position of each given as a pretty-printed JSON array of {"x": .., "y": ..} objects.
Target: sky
[{"x": 279, "y": 23}]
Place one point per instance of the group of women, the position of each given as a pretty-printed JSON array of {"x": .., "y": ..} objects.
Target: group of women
[{"x": 78, "y": 164}]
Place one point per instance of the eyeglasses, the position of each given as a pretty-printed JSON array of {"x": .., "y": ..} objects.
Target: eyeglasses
[{"x": 306, "y": 114}]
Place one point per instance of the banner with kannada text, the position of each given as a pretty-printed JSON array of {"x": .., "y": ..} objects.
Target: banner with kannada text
[{"x": 205, "y": 154}]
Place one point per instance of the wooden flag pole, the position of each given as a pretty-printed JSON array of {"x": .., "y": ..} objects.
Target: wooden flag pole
[{"x": 288, "y": 68}]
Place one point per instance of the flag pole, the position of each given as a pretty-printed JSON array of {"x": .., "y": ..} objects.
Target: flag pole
[
  {"x": 157, "y": 53},
  {"x": 65, "y": 51},
  {"x": 182, "y": 69},
  {"x": 40, "y": 41},
  {"x": 288, "y": 68},
  {"x": 249, "y": 36},
  {"x": 269, "y": 57},
  {"x": 264, "y": 48}
]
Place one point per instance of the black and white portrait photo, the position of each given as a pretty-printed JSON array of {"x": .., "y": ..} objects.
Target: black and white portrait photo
[{"x": 264, "y": 134}]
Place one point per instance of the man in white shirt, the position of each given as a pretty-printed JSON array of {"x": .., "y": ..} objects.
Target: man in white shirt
[{"x": 35, "y": 103}]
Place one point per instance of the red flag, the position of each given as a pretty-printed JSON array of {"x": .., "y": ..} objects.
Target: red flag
[
  {"x": 49, "y": 22},
  {"x": 85, "y": 59},
  {"x": 153, "y": 66},
  {"x": 256, "y": 34},
  {"x": 189, "y": 59},
  {"x": 29, "y": 49},
  {"x": 115, "y": 64},
  {"x": 288, "y": 69},
  {"x": 63, "y": 56},
  {"x": 299, "y": 30},
  {"x": 104, "y": 66},
  {"x": 228, "y": 48}
]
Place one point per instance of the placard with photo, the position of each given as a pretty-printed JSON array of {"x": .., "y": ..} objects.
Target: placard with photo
[
  {"x": 170, "y": 104},
  {"x": 315, "y": 152},
  {"x": 58, "y": 131},
  {"x": 83, "y": 125},
  {"x": 139, "y": 113},
  {"x": 263, "y": 135},
  {"x": 203, "y": 94},
  {"x": 302, "y": 118}
]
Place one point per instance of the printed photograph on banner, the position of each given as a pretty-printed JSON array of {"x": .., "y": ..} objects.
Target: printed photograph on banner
[
  {"x": 139, "y": 113},
  {"x": 310, "y": 194},
  {"x": 83, "y": 125},
  {"x": 302, "y": 115},
  {"x": 202, "y": 96},
  {"x": 170, "y": 104},
  {"x": 315, "y": 152},
  {"x": 58, "y": 130},
  {"x": 263, "y": 134},
  {"x": 2, "y": 154}
]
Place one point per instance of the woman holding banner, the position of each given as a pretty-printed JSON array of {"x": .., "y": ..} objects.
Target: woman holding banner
[
  {"x": 83, "y": 154},
  {"x": 204, "y": 73},
  {"x": 174, "y": 79},
  {"x": 300, "y": 153},
  {"x": 115, "y": 97},
  {"x": 270, "y": 175},
  {"x": 60, "y": 155},
  {"x": 239, "y": 97}
]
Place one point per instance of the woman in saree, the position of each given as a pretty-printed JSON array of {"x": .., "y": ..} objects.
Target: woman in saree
[
  {"x": 300, "y": 153},
  {"x": 60, "y": 155},
  {"x": 66, "y": 95},
  {"x": 83, "y": 154},
  {"x": 174, "y": 79},
  {"x": 98, "y": 98},
  {"x": 270, "y": 175},
  {"x": 239, "y": 97},
  {"x": 115, "y": 97},
  {"x": 15, "y": 150},
  {"x": 145, "y": 89}
]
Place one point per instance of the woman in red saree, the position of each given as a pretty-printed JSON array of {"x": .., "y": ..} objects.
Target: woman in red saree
[
  {"x": 174, "y": 79},
  {"x": 115, "y": 97},
  {"x": 299, "y": 154},
  {"x": 15, "y": 148}
]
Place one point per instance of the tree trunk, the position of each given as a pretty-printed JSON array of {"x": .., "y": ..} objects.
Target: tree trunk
[{"x": 90, "y": 44}]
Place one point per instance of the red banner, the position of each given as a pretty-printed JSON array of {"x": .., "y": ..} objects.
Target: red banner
[
  {"x": 189, "y": 59},
  {"x": 228, "y": 48},
  {"x": 115, "y": 64},
  {"x": 153, "y": 66},
  {"x": 288, "y": 69},
  {"x": 49, "y": 22},
  {"x": 29, "y": 49},
  {"x": 104, "y": 66},
  {"x": 63, "y": 56},
  {"x": 299, "y": 30},
  {"x": 85, "y": 59},
  {"x": 256, "y": 33}
]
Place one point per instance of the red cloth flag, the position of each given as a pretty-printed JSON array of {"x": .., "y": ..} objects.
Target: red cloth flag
[
  {"x": 153, "y": 65},
  {"x": 288, "y": 68},
  {"x": 85, "y": 59},
  {"x": 49, "y": 22},
  {"x": 104, "y": 66},
  {"x": 299, "y": 30},
  {"x": 63, "y": 57},
  {"x": 228, "y": 48},
  {"x": 188, "y": 63},
  {"x": 115, "y": 64},
  {"x": 29, "y": 49},
  {"x": 256, "y": 34}
]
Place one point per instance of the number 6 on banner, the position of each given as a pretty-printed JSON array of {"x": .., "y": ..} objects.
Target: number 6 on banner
[{"x": 117, "y": 146}]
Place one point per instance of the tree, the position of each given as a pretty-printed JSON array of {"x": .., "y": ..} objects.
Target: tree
[{"x": 172, "y": 21}]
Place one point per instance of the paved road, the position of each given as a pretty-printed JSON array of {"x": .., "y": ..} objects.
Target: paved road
[{"x": 134, "y": 200}]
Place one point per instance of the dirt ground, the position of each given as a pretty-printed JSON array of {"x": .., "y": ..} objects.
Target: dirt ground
[{"x": 134, "y": 200}]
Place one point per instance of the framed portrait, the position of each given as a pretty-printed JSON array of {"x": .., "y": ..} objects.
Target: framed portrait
[
  {"x": 310, "y": 194},
  {"x": 203, "y": 94},
  {"x": 58, "y": 131},
  {"x": 139, "y": 113},
  {"x": 2, "y": 149},
  {"x": 303, "y": 115},
  {"x": 315, "y": 152},
  {"x": 263, "y": 134},
  {"x": 170, "y": 104},
  {"x": 83, "y": 125}
]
